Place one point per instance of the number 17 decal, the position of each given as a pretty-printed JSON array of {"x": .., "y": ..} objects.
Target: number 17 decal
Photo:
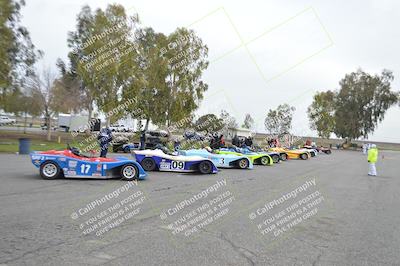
[{"x": 85, "y": 168}]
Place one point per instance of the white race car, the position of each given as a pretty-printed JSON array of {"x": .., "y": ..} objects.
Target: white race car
[{"x": 152, "y": 160}]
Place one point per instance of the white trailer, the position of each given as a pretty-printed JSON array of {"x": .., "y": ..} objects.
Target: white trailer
[{"x": 68, "y": 122}]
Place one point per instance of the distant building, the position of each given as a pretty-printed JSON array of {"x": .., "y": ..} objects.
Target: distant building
[{"x": 240, "y": 132}]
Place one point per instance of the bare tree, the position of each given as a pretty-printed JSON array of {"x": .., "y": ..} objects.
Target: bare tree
[
  {"x": 42, "y": 89},
  {"x": 279, "y": 121}
]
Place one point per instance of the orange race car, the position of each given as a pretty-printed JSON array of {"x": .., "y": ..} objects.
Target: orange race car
[{"x": 293, "y": 154}]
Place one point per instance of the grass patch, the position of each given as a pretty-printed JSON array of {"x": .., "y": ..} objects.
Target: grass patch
[
  {"x": 12, "y": 145},
  {"x": 9, "y": 142}
]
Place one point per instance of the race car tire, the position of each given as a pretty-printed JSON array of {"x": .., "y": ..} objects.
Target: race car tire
[
  {"x": 205, "y": 167},
  {"x": 275, "y": 158},
  {"x": 127, "y": 150},
  {"x": 50, "y": 170},
  {"x": 328, "y": 151},
  {"x": 312, "y": 154},
  {"x": 148, "y": 164},
  {"x": 129, "y": 172},
  {"x": 283, "y": 156},
  {"x": 265, "y": 160},
  {"x": 304, "y": 156},
  {"x": 243, "y": 163}
]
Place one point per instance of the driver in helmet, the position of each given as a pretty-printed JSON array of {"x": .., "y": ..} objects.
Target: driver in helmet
[{"x": 104, "y": 138}]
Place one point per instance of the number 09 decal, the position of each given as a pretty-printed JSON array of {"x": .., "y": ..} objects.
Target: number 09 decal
[{"x": 177, "y": 165}]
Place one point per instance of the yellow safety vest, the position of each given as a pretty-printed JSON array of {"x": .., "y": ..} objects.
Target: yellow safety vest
[{"x": 372, "y": 155}]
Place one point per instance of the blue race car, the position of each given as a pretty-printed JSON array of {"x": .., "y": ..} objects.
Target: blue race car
[
  {"x": 71, "y": 163},
  {"x": 125, "y": 147},
  {"x": 221, "y": 160},
  {"x": 152, "y": 160}
]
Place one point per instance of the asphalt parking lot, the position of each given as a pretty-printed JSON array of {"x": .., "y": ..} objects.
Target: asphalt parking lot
[{"x": 354, "y": 222}]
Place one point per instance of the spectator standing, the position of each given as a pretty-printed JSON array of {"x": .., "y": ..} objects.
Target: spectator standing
[
  {"x": 235, "y": 141},
  {"x": 104, "y": 138},
  {"x": 372, "y": 159},
  {"x": 143, "y": 139}
]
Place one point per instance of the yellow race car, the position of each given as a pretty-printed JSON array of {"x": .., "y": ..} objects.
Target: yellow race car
[{"x": 292, "y": 154}]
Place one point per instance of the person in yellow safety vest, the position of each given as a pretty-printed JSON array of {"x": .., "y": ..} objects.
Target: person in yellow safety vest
[{"x": 372, "y": 158}]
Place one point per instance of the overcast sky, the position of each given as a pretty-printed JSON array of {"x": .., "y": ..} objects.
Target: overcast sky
[{"x": 262, "y": 53}]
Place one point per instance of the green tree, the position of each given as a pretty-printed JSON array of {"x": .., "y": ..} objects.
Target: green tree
[
  {"x": 321, "y": 113},
  {"x": 148, "y": 79},
  {"x": 187, "y": 59},
  {"x": 167, "y": 85},
  {"x": 23, "y": 103},
  {"x": 29, "y": 104},
  {"x": 12, "y": 100},
  {"x": 102, "y": 55},
  {"x": 77, "y": 41},
  {"x": 17, "y": 53},
  {"x": 362, "y": 102},
  {"x": 279, "y": 121},
  {"x": 248, "y": 122},
  {"x": 117, "y": 50},
  {"x": 167, "y": 79}
]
